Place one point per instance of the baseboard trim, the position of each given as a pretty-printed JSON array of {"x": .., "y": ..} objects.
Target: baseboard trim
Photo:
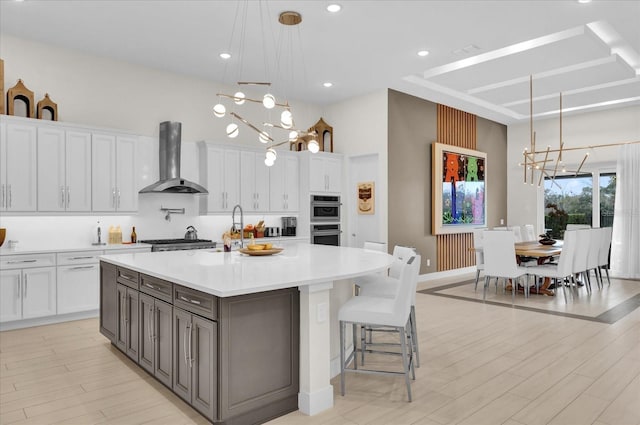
[{"x": 48, "y": 320}]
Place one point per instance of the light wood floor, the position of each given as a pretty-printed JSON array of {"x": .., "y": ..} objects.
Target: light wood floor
[{"x": 481, "y": 364}]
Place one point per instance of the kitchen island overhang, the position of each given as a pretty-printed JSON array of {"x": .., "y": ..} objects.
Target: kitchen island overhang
[{"x": 311, "y": 269}]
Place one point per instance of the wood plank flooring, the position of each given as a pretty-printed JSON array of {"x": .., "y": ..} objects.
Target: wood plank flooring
[{"x": 481, "y": 364}]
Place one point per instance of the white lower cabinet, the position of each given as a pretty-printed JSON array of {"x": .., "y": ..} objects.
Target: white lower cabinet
[
  {"x": 27, "y": 293},
  {"x": 78, "y": 288}
]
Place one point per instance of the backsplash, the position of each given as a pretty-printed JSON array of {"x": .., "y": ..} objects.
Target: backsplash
[{"x": 150, "y": 223}]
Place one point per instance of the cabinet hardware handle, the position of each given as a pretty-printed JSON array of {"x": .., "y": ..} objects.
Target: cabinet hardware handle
[
  {"x": 190, "y": 344},
  {"x": 18, "y": 288},
  {"x": 21, "y": 261},
  {"x": 122, "y": 315},
  {"x": 184, "y": 345},
  {"x": 196, "y": 302},
  {"x": 118, "y": 198},
  {"x": 81, "y": 258},
  {"x": 62, "y": 196},
  {"x": 149, "y": 323},
  {"x": 113, "y": 197},
  {"x": 3, "y": 196},
  {"x": 68, "y": 196},
  {"x": 81, "y": 268},
  {"x": 25, "y": 286},
  {"x": 9, "y": 201},
  {"x": 148, "y": 285}
]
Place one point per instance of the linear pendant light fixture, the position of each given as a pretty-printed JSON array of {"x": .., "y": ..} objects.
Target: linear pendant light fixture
[
  {"x": 549, "y": 167},
  {"x": 268, "y": 101}
]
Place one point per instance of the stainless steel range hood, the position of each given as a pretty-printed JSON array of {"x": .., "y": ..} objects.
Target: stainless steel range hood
[{"x": 170, "y": 181}]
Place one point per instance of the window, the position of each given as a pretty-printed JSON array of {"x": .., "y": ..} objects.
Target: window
[
  {"x": 567, "y": 200},
  {"x": 607, "y": 198}
]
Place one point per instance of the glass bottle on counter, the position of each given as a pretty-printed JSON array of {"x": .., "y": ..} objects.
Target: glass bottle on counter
[{"x": 134, "y": 237}]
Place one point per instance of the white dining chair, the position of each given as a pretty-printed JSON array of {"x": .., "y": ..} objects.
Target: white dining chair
[
  {"x": 381, "y": 311},
  {"x": 529, "y": 233},
  {"x": 380, "y": 287},
  {"x": 581, "y": 252},
  {"x": 564, "y": 268},
  {"x": 603, "y": 253},
  {"x": 478, "y": 249},
  {"x": 517, "y": 233},
  {"x": 500, "y": 260},
  {"x": 595, "y": 236}
]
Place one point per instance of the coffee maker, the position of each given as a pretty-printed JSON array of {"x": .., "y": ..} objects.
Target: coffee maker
[{"x": 289, "y": 225}]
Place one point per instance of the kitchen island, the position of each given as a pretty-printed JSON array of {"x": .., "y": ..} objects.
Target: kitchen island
[{"x": 242, "y": 339}]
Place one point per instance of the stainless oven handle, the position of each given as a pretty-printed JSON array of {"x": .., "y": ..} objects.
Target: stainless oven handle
[{"x": 326, "y": 233}]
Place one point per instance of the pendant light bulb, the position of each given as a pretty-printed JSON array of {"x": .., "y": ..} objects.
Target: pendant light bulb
[
  {"x": 263, "y": 137},
  {"x": 313, "y": 146},
  {"x": 268, "y": 162},
  {"x": 271, "y": 155},
  {"x": 286, "y": 119},
  {"x": 232, "y": 130},
  {"x": 269, "y": 101},
  {"x": 219, "y": 110},
  {"x": 293, "y": 136},
  {"x": 239, "y": 98}
]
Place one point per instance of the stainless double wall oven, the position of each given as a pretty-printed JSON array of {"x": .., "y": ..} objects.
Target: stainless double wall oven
[{"x": 325, "y": 219}]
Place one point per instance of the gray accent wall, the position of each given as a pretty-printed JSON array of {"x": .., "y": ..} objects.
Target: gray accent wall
[{"x": 412, "y": 128}]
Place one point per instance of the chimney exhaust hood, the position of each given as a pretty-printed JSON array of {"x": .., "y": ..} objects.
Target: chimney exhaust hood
[{"x": 170, "y": 181}]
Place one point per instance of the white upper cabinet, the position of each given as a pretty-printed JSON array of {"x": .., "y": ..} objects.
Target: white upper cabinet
[
  {"x": 114, "y": 185},
  {"x": 18, "y": 172},
  {"x": 284, "y": 179},
  {"x": 325, "y": 173},
  {"x": 64, "y": 170},
  {"x": 220, "y": 175},
  {"x": 254, "y": 182}
]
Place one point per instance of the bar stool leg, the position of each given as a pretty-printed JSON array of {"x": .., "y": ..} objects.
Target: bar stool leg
[
  {"x": 414, "y": 337},
  {"x": 342, "y": 360},
  {"x": 405, "y": 366}
]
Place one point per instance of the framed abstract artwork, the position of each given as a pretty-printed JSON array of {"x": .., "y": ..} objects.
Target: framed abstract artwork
[{"x": 459, "y": 197}]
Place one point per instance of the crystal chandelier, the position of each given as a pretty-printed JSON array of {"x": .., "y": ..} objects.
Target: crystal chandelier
[{"x": 265, "y": 131}]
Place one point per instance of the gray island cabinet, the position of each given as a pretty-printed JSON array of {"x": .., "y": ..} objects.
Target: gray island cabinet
[{"x": 233, "y": 359}]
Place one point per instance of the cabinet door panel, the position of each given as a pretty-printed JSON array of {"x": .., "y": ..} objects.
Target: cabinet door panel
[
  {"x": 38, "y": 292},
  {"x": 103, "y": 178},
  {"x": 163, "y": 367},
  {"x": 77, "y": 288},
  {"x": 126, "y": 182},
  {"x": 181, "y": 363},
  {"x": 121, "y": 328},
  {"x": 132, "y": 316},
  {"x": 10, "y": 295},
  {"x": 317, "y": 175},
  {"x": 277, "y": 185},
  {"x": 204, "y": 356},
  {"x": 51, "y": 169},
  {"x": 108, "y": 301},
  {"x": 333, "y": 169},
  {"x": 78, "y": 171},
  {"x": 21, "y": 167},
  {"x": 261, "y": 183},
  {"x": 247, "y": 181},
  {"x": 291, "y": 182},
  {"x": 146, "y": 322},
  {"x": 231, "y": 178},
  {"x": 212, "y": 177}
]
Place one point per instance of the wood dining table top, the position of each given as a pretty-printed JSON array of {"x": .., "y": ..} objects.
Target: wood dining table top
[{"x": 536, "y": 249}]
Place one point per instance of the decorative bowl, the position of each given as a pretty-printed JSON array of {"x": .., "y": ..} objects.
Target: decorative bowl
[
  {"x": 547, "y": 241},
  {"x": 3, "y": 233}
]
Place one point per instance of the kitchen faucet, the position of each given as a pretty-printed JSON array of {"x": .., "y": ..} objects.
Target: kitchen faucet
[{"x": 234, "y": 224}]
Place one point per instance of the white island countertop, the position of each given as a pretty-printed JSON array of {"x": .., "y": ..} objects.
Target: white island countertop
[
  {"x": 226, "y": 274},
  {"x": 62, "y": 246}
]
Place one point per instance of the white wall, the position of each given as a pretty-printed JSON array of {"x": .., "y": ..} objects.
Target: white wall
[{"x": 587, "y": 129}]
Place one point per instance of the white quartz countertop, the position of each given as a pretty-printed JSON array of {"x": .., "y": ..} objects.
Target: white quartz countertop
[
  {"x": 61, "y": 246},
  {"x": 226, "y": 274}
]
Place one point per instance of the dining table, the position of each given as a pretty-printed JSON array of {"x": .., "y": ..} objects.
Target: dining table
[{"x": 542, "y": 253}]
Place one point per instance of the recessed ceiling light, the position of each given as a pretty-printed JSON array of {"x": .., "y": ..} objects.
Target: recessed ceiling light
[
  {"x": 327, "y": 84},
  {"x": 423, "y": 53},
  {"x": 225, "y": 55},
  {"x": 333, "y": 8},
  {"x": 584, "y": 1},
  {"x": 19, "y": 1}
]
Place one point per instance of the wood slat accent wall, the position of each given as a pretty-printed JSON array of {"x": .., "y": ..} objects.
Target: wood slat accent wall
[{"x": 457, "y": 128}]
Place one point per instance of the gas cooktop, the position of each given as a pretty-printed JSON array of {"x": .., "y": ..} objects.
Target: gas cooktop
[{"x": 173, "y": 241}]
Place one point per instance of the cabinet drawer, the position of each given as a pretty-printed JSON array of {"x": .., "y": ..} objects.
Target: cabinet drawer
[
  {"x": 127, "y": 277},
  {"x": 156, "y": 287},
  {"x": 8, "y": 262},
  {"x": 197, "y": 302},
  {"x": 78, "y": 257}
]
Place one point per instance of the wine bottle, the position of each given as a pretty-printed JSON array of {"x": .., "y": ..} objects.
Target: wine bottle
[{"x": 134, "y": 237}]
